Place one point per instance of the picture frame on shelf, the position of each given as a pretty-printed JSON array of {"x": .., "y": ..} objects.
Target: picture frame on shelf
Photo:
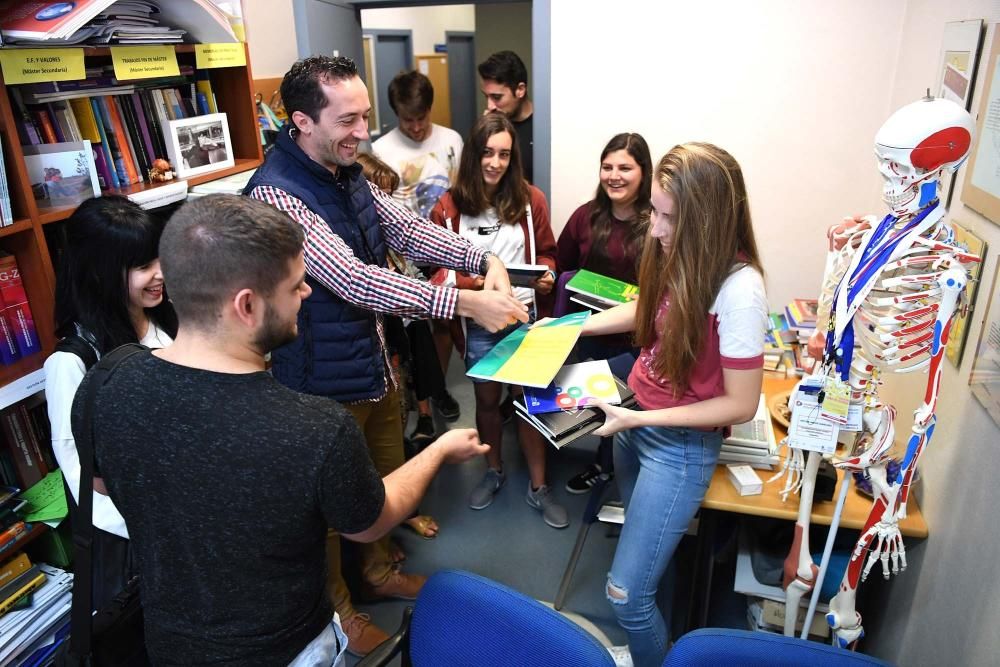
[
  {"x": 199, "y": 145},
  {"x": 62, "y": 175},
  {"x": 981, "y": 188},
  {"x": 959, "y": 334}
]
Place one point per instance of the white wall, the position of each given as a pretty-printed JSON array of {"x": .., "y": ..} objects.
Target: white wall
[
  {"x": 794, "y": 90},
  {"x": 270, "y": 28},
  {"x": 427, "y": 23}
]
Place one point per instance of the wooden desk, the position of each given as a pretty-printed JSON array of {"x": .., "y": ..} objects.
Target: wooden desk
[{"x": 722, "y": 495}]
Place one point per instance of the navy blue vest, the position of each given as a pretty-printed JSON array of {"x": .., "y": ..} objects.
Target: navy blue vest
[{"x": 337, "y": 352}]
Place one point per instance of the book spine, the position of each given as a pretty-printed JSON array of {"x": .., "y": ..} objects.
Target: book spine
[
  {"x": 108, "y": 158},
  {"x": 14, "y": 568},
  {"x": 203, "y": 104},
  {"x": 50, "y": 112},
  {"x": 8, "y": 473},
  {"x": 117, "y": 159},
  {"x": 32, "y": 585},
  {"x": 14, "y": 544},
  {"x": 26, "y": 130},
  {"x": 17, "y": 310},
  {"x": 140, "y": 117},
  {"x": 32, "y": 437},
  {"x": 38, "y": 422},
  {"x": 66, "y": 113},
  {"x": 8, "y": 343},
  {"x": 85, "y": 119},
  {"x": 103, "y": 173},
  {"x": 153, "y": 118},
  {"x": 121, "y": 136},
  {"x": 127, "y": 114},
  {"x": 12, "y": 532},
  {"x": 48, "y": 132},
  {"x": 28, "y": 472},
  {"x": 5, "y": 208}
]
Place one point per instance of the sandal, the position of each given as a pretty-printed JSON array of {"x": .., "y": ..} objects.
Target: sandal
[{"x": 423, "y": 525}]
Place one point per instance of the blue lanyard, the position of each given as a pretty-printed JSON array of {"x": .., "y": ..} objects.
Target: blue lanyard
[{"x": 873, "y": 258}]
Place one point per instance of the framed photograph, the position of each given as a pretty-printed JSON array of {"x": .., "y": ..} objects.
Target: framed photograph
[
  {"x": 984, "y": 381},
  {"x": 965, "y": 239},
  {"x": 199, "y": 145},
  {"x": 62, "y": 175},
  {"x": 981, "y": 191},
  {"x": 960, "y": 48}
]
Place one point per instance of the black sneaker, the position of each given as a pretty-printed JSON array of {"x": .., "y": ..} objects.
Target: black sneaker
[
  {"x": 447, "y": 406},
  {"x": 586, "y": 480},
  {"x": 507, "y": 408},
  {"x": 424, "y": 433}
]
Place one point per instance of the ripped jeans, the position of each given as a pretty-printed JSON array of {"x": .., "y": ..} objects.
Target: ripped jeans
[{"x": 663, "y": 474}]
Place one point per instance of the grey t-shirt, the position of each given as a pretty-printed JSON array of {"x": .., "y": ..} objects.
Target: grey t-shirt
[{"x": 228, "y": 483}]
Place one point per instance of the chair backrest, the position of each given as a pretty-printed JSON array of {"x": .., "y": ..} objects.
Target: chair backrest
[
  {"x": 464, "y": 619},
  {"x": 716, "y": 646}
]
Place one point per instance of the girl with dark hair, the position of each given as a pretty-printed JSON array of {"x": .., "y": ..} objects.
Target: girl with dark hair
[
  {"x": 109, "y": 291},
  {"x": 700, "y": 320},
  {"x": 492, "y": 205},
  {"x": 605, "y": 236}
]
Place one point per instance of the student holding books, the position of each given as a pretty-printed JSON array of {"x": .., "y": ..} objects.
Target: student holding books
[
  {"x": 491, "y": 205},
  {"x": 109, "y": 291},
  {"x": 700, "y": 320},
  {"x": 605, "y": 236}
]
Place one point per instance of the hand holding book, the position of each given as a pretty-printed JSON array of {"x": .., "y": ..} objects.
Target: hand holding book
[{"x": 616, "y": 418}]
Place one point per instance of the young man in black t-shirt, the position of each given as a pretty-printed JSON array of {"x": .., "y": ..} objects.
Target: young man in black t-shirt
[
  {"x": 504, "y": 82},
  {"x": 227, "y": 480}
]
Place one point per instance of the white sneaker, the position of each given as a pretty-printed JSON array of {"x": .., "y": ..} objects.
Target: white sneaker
[{"x": 620, "y": 655}]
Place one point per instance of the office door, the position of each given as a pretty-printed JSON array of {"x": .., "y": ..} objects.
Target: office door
[
  {"x": 393, "y": 54},
  {"x": 462, "y": 79}
]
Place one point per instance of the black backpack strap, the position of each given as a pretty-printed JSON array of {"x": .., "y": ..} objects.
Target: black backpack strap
[
  {"x": 81, "y": 615},
  {"x": 78, "y": 345}
]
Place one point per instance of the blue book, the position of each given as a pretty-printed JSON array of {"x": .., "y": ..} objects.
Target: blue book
[
  {"x": 109, "y": 138},
  {"x": 108, "y": 158},
  {"x": 575, "y": 386}
]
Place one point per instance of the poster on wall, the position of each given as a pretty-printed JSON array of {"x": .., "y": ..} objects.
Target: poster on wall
[
  {"x": 985, "y": 378},
  {"x": 968, "y": 241},
  {"x": 981, "y": 191},
  {"x": 957, "y": 73}
]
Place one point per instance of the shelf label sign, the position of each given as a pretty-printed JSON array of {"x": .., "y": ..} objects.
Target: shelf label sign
[
  {"x": 144, "y": 62},
  {"x": 42, "y": 65},
  {"x": 219, "y": 55}
]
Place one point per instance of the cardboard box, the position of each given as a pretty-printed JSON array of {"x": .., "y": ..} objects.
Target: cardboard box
[{"x": 745, "y": 479}]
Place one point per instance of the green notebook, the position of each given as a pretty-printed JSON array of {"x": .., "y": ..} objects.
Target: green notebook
[{"x": 608, "y": 290}]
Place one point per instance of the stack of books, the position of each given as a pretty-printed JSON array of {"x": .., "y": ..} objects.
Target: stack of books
[
  {"x": 35, "y": 618},
  {"x": 801, "y": 316},
  {"x": 101, "y": 22},
  {"x": 752, "y": 443},
  {"x": 565, "y": 426},
  {"x": 599, "y": 292},
  {"x": 229, "y": 185}
]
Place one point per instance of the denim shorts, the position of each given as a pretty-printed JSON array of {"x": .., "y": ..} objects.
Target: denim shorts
[{"x": 479, "y": 341}]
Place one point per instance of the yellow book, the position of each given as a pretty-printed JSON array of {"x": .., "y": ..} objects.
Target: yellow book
[
  {"x": 14, "y": 568},
  {"x": 30, "y": 585},
  {"x": 85, "y": 119},
  {"x": 205, "y": 86}
]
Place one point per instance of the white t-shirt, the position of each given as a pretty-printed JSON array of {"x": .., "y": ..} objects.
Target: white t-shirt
[
  {"x": 426, "y": 169},
  {"x": 506, "y": 241},
  {"x": 64, "y": 372}
]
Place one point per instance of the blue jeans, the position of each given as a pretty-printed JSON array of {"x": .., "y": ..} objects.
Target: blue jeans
[{"x": 663, "y": 474}]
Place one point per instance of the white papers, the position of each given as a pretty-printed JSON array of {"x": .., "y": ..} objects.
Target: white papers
[{"x": 808, "y": 429}]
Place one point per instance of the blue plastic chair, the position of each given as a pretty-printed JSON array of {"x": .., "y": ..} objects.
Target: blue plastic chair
[
  {"x": 463, "y": 619},
  {"x": 709, "y": 647}
]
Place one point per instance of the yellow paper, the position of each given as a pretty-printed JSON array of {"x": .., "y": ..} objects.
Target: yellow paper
[
  {"x": 219, "y": 55},
  {"x": 836, "y": 400},
  {"x": 42, "y": 65},
  {"x": 144, "y": 62},
  {"x": 540, "y": 356}
]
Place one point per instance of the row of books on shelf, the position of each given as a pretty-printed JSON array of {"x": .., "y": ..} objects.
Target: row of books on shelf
[
  {"x": 25, "y": 453},
  {"x": 18, "y": 335},
  {"x": 101, "y": 22},
  {"x": 786, "y": 340}
]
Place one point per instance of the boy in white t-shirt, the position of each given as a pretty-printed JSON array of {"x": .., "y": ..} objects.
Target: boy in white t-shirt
[{"x": 424, "y": 155}]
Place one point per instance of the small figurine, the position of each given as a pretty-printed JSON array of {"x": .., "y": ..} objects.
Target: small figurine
[{"x": 161, "y": 171}]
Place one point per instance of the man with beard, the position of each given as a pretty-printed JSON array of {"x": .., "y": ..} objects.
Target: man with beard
[
  {"x": 504, "y": 82},
  {"x": 228, "y": 480},
  {"x": 340, "y": 351}
]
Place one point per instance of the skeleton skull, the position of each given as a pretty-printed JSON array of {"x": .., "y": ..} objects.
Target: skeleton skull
[{"x": 915, "y": 145}]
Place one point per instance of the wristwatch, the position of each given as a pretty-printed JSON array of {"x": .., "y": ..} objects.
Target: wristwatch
[{"x": 485, "y": 264}]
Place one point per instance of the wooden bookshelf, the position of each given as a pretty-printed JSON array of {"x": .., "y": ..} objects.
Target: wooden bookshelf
[{"x": 25, "y": 239}]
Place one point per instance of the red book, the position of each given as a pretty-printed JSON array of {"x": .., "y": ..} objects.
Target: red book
[
  {"x": 12, "y": 533},
  {"x": 45, "y": 126},
  {"x": 9, "y": 352},
  {"x": 16, "y": 310},
  {"x": 47, "y": 20}
]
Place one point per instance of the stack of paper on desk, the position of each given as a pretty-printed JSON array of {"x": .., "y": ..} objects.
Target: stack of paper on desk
[{"x": 752, "y": 442}]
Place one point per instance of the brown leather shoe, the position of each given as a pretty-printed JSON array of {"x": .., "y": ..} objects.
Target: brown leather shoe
[
  {"x": 362, "y": 635},
  {"x": 398, "y": 585}
]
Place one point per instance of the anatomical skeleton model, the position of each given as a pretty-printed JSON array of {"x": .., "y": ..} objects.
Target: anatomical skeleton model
[{"x": 893, "y": 286}]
